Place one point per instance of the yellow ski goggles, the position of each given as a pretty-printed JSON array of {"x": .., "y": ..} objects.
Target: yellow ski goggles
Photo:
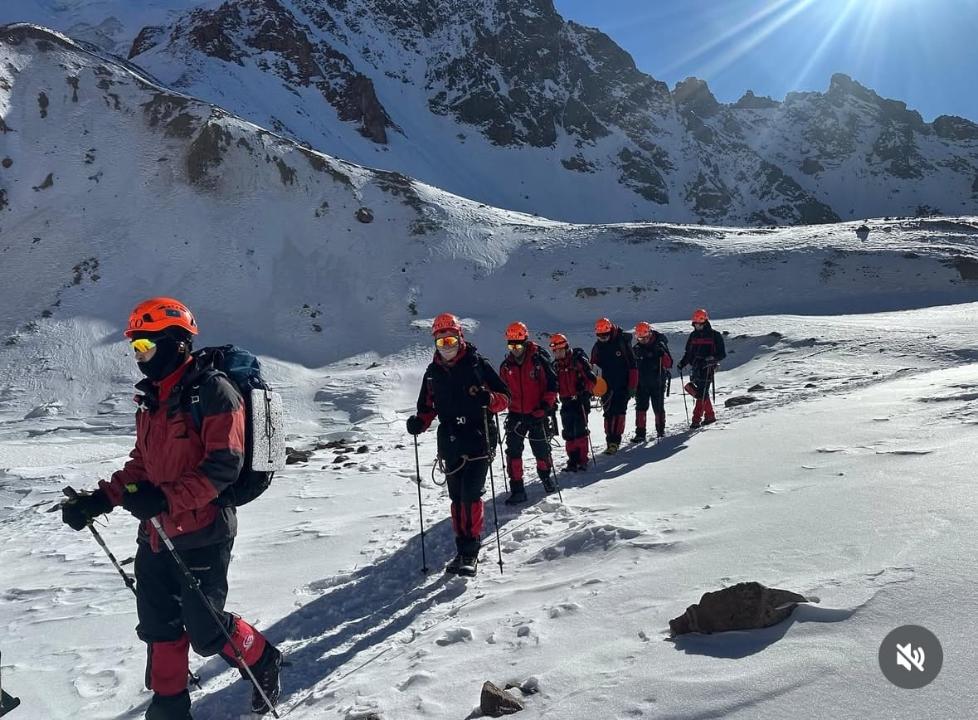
[
  {"x": 447, "y": 341},
  {"x": 142, "y": 345}
]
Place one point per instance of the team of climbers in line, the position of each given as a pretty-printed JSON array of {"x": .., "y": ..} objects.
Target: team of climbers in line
[
  {"x": 463, "y": 390},
  {"x": 193, "y": 451}
]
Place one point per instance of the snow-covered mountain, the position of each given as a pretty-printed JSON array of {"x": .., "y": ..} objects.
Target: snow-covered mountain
[
  {"x": 848, "y": 478},
  {"x": 111, "y": 185},
  {"x": 507, "y": 103}
]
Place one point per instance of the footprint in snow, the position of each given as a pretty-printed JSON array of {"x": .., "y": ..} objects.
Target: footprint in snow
[
  {"x": 557, "y": 610},
  {"x": 92, "y": 685},
  {"x": 591, "y": 539},
  {"x": 421, "y": 678},
  {"x": 455, "y": 635}
]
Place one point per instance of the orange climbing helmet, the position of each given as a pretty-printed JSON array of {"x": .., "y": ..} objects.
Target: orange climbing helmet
[
  {"x": 700, "y": 316},
  {"x": 159, "y": 314},
  {"x": 603, "y": 326},
  {"x": 446, "y": 322},
  {"x": 643, "y": 329},
  {"x": 558, "y": 341},
  {"x": 517, "y": 332}
]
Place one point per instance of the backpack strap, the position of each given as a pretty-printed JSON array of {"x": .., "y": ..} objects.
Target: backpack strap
[{"x": 191, "y": 394}]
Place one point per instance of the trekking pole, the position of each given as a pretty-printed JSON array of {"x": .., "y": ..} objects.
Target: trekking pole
[
  {"x": 502, "y": 452},
  {"x": 492, "y": 486},
  {"x": 713, "y": 382},
  {"x": 7, "y": 702},
  {"x": 126, "y": 578},
  {"x": 130, "y": 583},
  {"x": 417, "y": 468},
  {"x": 587, "y": 429},
  {"x": 553, "y": 470},
  {"x": 685, "y": 404},
  {"x": 195, "y": 585}
]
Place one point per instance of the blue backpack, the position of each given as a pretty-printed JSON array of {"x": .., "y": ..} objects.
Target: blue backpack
[{"x": 264, "y": 451}]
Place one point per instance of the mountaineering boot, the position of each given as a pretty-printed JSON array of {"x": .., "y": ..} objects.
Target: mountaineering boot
[
  {"x": 695, "y": 424},
  {"x": 169, "y": 707},
  {"x": 453, "y": 565},
  {"x": 267, "y": 672},
  {"x": 546, "y": 477},
  {"x": 517, "y": 494},
  {"x": 709, "y": 420},
  {"x": 611, "y": 449},
  {"x": 516, "y": 497},
  {"x": 639, "y": 435},
  {"x": 470, "y": 563}
]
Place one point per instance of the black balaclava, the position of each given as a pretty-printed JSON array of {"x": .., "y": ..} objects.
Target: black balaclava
[{"x": 168, "y": 357}]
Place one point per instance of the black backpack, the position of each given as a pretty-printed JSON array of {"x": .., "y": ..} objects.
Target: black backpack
[{"x": 264, "y": 419}]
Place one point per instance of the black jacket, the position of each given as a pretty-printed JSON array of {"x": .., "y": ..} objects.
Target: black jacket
[
  {"x": 448, "y": 392},
  {"x": 653, "y": 359},
  {"x": 702, "y": 344},
  {"x": 616, "y": 360}
]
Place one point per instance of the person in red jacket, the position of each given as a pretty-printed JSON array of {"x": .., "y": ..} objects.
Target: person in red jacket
[
  {"x": 176, "y": 473},
  {"x": 575, "y": 384},
  {"x": 704, "y": 351},
  {"x": 529, "y": 375},
  {"x": 613, "y": 354},
  {"x": 654, "y": 361},
  {"x": 461, "y": 389}
]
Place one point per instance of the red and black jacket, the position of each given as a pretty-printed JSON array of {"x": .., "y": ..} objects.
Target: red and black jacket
[
  {"x": 653, "y": 360},
  {"x": 532, "y": 383},
  {"x": 190, "y": 464},
  {"x": 617, "y": 362},
  {"x": 575, "y": 377},
  {"x": 448, "y": 392},
  {"x": 702, "y": 344}
]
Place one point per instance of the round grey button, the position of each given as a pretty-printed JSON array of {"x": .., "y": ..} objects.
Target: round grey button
[{"x": 911, "y": 656}]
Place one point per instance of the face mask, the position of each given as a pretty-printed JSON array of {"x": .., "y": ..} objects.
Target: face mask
[
  {"x": 165, "y": 360},
  {"x": 448, "y": 353}
]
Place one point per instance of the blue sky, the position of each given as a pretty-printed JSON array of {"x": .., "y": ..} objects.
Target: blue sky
[{"x": 924, "y": 52}]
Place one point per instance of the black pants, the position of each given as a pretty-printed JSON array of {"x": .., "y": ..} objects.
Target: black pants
[
  {"x": 573, "y": 416},
  {"x": 166, "y": 605},
  {"x": 654, "y": 393},
  {"x": 701, "y": 376},
  {"x": 534, "y": 430},
  {"x": 465, "y": 488}
]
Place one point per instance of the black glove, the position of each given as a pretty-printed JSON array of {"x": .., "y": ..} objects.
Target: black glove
[
  {"x": 683, "y": 364},
  {"x": 483, "y": 397},
  {"x": 415, "y": 425},
  {"x": 144, "y": 500},
  {"x": 78, "y": 511}
]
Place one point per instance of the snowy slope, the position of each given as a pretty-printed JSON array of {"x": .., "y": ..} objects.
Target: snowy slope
[
  {"x": 858, "y": 491},
  {"x": 849, "y": 478}
]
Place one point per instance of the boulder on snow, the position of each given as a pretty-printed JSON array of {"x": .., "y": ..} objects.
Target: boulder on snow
[
  {"x": 495, "y": 702},
  {"x": 293, "y": 456},
  {"x": 756, "y": 388},
  {"x": 365, "y": 215},
  {"x": 744, "y": 606},
  {"x": 739, "y": 400}
]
